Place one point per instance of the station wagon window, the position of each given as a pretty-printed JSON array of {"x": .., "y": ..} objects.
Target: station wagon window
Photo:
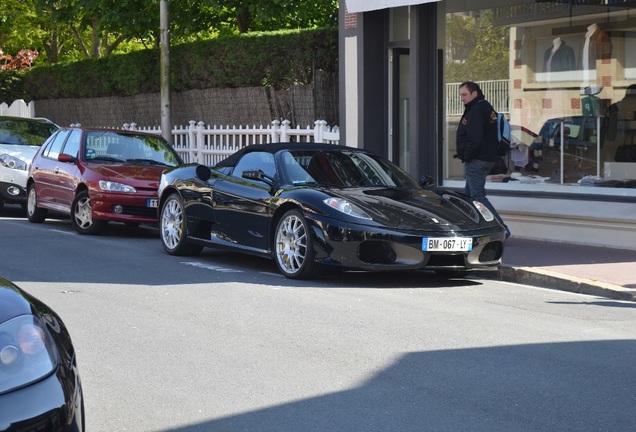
[{"x": 55, "y": 147}]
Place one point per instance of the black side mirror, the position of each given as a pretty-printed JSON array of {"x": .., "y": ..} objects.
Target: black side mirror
[{"x": 203, "y": 172}]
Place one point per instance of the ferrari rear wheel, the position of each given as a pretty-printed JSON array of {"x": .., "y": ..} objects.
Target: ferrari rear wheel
[
  {"x": 34, "y": 213},
  {"x": 82, "y": 215},
  {"x": 293, "y": 248},
  {"x": 173, "y": 228}
]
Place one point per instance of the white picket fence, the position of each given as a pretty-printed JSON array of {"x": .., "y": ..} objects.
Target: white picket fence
[
  {"x": 207, "y": 145},
  {"x": 496, "y": 92},
  {"x": 18, "y": 108}
]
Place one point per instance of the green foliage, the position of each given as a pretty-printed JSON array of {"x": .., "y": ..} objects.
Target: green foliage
[
  {"x": 278, "y": 59},
  {"x": 487, "y": 48},
  {"x": 12, "y": 86},
  {"x": 64, "y": 30}
]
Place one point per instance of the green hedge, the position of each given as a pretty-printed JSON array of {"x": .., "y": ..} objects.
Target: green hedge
[
  {"x": 278, "y": 59},
  {"x": 12, "y": 86}
]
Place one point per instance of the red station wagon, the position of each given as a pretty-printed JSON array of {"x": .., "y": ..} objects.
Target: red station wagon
[{"x": 98, "y": 175}]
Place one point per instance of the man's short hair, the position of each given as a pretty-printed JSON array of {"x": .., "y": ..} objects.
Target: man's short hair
[{"x": 472, "y": 87}]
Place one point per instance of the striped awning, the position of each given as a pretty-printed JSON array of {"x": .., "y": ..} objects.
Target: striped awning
[{"x": 370, "y": 5}]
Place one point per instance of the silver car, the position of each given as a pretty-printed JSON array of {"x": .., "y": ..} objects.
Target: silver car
[{"x": 20, "y": 139}]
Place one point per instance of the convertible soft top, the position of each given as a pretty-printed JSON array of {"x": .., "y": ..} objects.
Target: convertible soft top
[{"x": 230, "y": 161}]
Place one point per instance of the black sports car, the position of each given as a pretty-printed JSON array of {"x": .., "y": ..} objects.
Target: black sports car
[
  {"x": 310, "y": 206},
  {"x": 40, "y": 387}
]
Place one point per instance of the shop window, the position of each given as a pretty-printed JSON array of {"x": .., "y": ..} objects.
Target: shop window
[{"x": 564, "y": 73}]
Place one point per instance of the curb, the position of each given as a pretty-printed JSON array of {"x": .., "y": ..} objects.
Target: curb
[{"x": 547, "y": 279}]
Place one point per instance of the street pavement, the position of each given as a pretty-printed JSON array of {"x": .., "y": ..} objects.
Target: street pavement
[{"x": 593, "y": 270}]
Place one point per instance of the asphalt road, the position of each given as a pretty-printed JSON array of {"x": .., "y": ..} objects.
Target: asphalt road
[{"x": 222, "y": 342}]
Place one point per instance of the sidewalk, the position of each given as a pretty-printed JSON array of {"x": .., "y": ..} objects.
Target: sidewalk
[{"x": 592, "y": 270}]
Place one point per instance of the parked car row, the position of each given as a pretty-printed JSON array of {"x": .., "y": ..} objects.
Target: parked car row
[{"x": 306, "y": 206}]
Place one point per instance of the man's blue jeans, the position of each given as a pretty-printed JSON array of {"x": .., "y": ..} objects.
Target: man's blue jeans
[{"x": 476, "y": 172}]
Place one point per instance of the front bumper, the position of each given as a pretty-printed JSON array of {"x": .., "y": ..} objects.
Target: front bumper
[
  {"x": 353, "y": 246},
  {"x": 12, "y": 193},
  {"x": 120, "y": 207}
]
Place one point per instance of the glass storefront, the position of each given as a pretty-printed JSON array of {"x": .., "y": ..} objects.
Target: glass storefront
[{"x": 565, "y": 73}]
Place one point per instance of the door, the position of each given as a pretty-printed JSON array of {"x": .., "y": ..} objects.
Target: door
[
  {"x": 44, "y": 169},
  {"x": 242, "y": 206},
  {"x": 67, "y": 173}
]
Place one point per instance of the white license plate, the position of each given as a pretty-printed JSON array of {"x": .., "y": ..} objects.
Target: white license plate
[
  {"x": 151, "y": 202},
  {"x": 447, "y": 244}
]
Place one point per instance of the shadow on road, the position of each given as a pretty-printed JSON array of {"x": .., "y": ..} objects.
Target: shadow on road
[{"x": 581, "y": 386}]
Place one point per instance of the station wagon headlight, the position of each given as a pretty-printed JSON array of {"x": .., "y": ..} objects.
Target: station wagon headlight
[
  {"x": 111, "y": 186},
  {"x": 13, "y": 162},
  {"x": 487, "y": 214},
  {"x": 346, "y": 207}
]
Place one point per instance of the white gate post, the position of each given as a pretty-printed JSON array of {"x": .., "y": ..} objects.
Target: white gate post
[
  {"x": 274, "y": 134},
  {"x": 192, "y": 142},
  {"x": 319, "y": 129},
  {"x": 283, "y": 131},
  {"x": 200, "y": 143}
]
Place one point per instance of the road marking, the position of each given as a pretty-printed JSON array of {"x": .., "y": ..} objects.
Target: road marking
[
  {"x": 211, "y": 267},
  {"x": 65, "y": 232},
  {"x": 278, "y": 275}
]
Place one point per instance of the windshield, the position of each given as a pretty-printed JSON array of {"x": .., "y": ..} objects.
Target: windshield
[
  {"x": 341, "y": 168},
  {"x": 130, "y": 148},
  {"x": 25, "y": 131}
]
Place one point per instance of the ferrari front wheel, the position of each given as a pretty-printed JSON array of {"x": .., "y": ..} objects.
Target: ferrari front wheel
[
  {"x": 293, "y": 248},
  {"x": 173, "y": 228}
]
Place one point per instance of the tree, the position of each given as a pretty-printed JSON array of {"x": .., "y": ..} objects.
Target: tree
[
  {"x": 242, "y": 16},
  {"x": 74, "y": 29},
  {"x": 29, "y": 24},
  {"x": 477, "y": 49}
]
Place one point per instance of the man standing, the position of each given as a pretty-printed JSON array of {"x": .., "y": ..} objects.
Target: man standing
[{"x": 477, "y": 143}]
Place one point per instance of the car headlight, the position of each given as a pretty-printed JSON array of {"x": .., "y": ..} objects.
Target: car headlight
[
  {"x": 346, "y": 207},
  {"x": 487, "y": 214},
  {"x": 13, "y": 162},
  {"x": 111, "y": 186},
  {"x": 27, "y": 352}
]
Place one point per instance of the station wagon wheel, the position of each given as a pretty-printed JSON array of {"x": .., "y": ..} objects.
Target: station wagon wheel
[
  {"x": 293, "y": 248},
  {"x": 34, "y": 213},
  {"x": 173, "y": 228},
  {"x": 82, "y": 215}
]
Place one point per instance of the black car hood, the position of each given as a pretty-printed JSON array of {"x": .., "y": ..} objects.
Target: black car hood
[
  {"x": 13, "y": 301},
  {"x": 415, "y": 209}
]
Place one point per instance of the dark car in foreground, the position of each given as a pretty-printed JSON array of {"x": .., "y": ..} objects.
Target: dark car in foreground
[
  {"x": 98, "y": 175},
  {"x": 20, "y": 139},
  {"x": 40, "y": 388},
  {"x": 311, "y": 206}
]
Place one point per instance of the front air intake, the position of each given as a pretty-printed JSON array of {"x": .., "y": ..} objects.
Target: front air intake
[{"x": 376, "y": 252}]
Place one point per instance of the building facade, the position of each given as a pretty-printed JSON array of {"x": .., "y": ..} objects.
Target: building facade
[{"x": 563, "y": 71}]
